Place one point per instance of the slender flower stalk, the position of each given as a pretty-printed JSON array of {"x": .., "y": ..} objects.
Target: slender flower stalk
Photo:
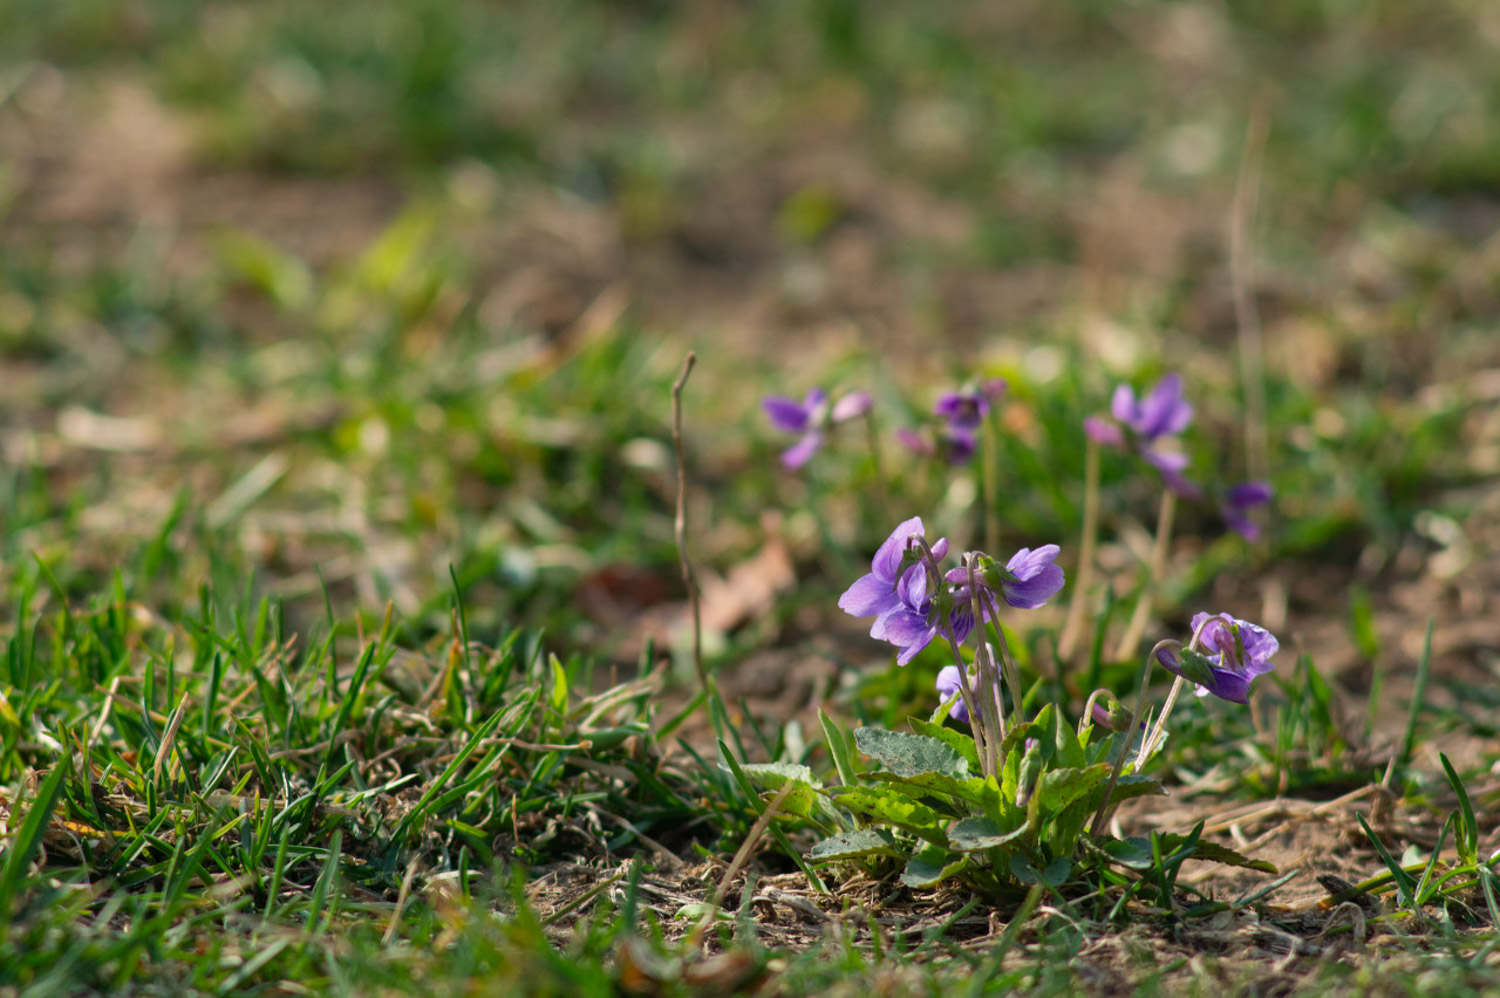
[
  {"x": 1155, "y": 569},
  {"x": 1083, "y": 580},
  {"x": 872, "y": 437},
  {"x": 989, "y": 691}
]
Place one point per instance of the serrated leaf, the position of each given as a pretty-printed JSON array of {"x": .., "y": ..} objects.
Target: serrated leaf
[
  {"x": 1052, "y": 875},
  {"x": 771, "y": 775},
  {"x": 930, "y": 866},
  {"x": 958, "y": 741},
  {"x": 801, "y": 800},
  {"x": 974, "y": 791},
  {"x": 1215, "y": 853},
  {"x": 972, "y": 834},
  {"x": 1060, "y": 787},
  {"x": 909, "y": 755},
  {"x": 855, "y": 845},
  {"x": 1134, "y": 852},
  {"x": 893, "y": 807}
]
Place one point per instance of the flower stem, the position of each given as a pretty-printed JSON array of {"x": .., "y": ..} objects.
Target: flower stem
[
  {"x": 1114, "y": 777},
  {"x": 989, "y": 493},
  {"x": 989, "y": 690},
  {"x": 679, "y": 526},
  {"x": 882, "y": 492},
  {"x": 1148, "y": 745},
  {"x": 945, "y": 624},
  {"x": 1155, "y": 570},
  {"x": 1084, "y": 578}
]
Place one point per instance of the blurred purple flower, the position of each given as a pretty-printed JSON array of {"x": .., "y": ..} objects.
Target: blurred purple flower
[
  {"x": 1233, "y": 655},
  {"x": 953, "y": 444},
  {"x": 949, "y": 678},
  {"x": 811, "y": 418},
  {"x": 1139, "y": 424},
  {"x": 1162, "y": 412},
  {"x": 1239, "y": 501},
  {"x": 903, "y": 609}
]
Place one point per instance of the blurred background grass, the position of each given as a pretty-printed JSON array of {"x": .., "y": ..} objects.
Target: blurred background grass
[{"x": 301, "y": 298}]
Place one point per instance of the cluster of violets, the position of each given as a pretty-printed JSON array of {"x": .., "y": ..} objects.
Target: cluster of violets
[
  {"x": 1148, "y": 427},
  {"x": 954, "y": 436},
  {"x": 913, "y": 598}
]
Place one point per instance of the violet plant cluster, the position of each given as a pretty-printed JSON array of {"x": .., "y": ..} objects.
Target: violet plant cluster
[{"x": 914, "y": 597}]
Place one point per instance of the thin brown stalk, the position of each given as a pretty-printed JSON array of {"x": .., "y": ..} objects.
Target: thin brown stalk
[
  {"x": 740, "y": 858},
  {"x": 689, "y": 578},
  {"x": 1083, "y": 579},
  {"x": 1154, "y": 572},
  {"x": 1241, "y": 276}
]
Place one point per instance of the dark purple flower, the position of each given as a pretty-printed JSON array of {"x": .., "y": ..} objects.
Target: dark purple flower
[
  {"x": 1239, "y": 501},
  {"x": 1233, "y": 654},
  {"x": 949, "y": 678},
  {"x": 811, "y": 418},
  {"x": 953, "y": 444},
  {"x": 898, "y": 600},
  {"x": 964, "y": 410}
]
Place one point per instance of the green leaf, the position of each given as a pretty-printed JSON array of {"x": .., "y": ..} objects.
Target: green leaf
[
  {"x": 24, "y": 841},
  {"x": 895, "y": 808},
  {"x": 1061, "y": 787},
  {"x": 774, "y": 775},
  {"x": 1406, "y": 887},
  {"x": 1133, "y": 853},
  {"x": 1215, "y": 853},
  {"x": 1467, "y": 839},
  {"x": 958, "y": 741},
  {"x": 855, "y": 845},
  {"x": 838, "y": 749},
  {"x": 972, "y": 834},
  {"x": 930, "y": 866},
  {"x": 909, "y": 755},
  {"x": 974, "y": 791},
  {"x": 1053, "y": 875}
]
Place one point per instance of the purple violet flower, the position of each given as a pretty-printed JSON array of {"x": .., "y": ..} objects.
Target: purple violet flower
[
  {"x": 1035, "y": 577},
  {"x": 1233, "y": 655},
  {"x": 949, "y": 678},
  {"x": 1027, "y": 582},
  {"x": 898, "y": 600},
  {"x": 811, "y": 418},
  {"x": 1239, "y": 501},
  {"x": 1160, "y": 413},
  {"x": 1140, "y": 424}
]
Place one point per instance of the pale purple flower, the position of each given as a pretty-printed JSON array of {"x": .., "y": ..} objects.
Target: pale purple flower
[
  {"x": 898, "y": 600},
  {"x": 1233, "y": 654},
  {"x": 949, "y": 678},
  {"x": 811, "y": 418},
  {"x": 1239, "y": 501},
  {"x": 1141, "y": 424},
  {"x": 1035, "y": 578}
]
